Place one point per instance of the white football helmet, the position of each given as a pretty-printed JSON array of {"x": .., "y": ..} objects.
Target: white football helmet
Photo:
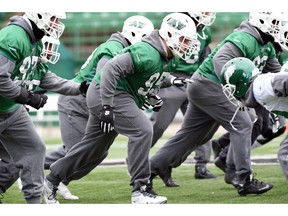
[
  {"x": 283, "y": 38},
  {"x": 48, "y": 22},
  {"x": 268, "y": 22},
  {"x": 179, "y": 32},
  {"x": 50, "y": 50},
  {"x": 136, "y": 27},
  {"x": 204, "y": 19}
]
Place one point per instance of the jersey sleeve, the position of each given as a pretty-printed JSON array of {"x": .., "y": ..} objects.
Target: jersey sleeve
[{"x": 13, "y": 43}]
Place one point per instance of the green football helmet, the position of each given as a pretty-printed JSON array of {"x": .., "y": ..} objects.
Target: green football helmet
[{"x": 236, "y": 75}]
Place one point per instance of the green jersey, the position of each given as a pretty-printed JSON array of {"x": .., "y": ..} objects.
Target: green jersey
[
  {"x": 250, "y": 49},
  {"x": 88, "y": 69},
  {"x": 150, "y": 69},
  {"x": 15, "y": 44},
  {"x": 190, "y": 65}
]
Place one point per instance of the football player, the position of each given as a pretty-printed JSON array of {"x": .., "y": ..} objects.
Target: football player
[
  {"x": 175, "y": 97},
  {"x": 23, "y": 69},
  {"x": 209, "y": 108},
  {"x": 73, "y": 111},
  {"x": 115, "y": 98}
]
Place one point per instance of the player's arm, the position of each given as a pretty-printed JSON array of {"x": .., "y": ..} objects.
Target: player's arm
[
  {"x": 225, "y": 53},
  {"x": 8, "y": 88},
  {"x": 53, "y": 83},
  {"x": 120, "y": 66}
]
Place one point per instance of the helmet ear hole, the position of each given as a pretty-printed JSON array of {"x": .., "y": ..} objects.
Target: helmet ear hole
[
  {"x": 169, "y": 35},
  {"x": 39, "y": 16}
]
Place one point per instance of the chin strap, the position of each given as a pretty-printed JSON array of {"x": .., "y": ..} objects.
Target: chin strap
[{"x": 241, "y": 107}]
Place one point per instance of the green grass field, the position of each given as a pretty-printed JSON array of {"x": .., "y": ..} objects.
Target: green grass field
[{"x": 110, "y": 184}]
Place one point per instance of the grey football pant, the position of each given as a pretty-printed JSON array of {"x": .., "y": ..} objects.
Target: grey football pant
[
  {"x": 26, "y": 149},
  {"x": 73, "y": 117},
  {"x": 9, "y": 173},
  {"x": 283, "y": 156},
  {"x": 175, "y": 98},
  {"x": 130, "y": 121},
  {"x": 208, "y": 108}
]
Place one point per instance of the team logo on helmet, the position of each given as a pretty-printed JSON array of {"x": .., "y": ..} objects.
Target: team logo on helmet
[
  {"x": 229, "y": 72},
  {"x": 137, "y": 24},
  {"x": 176, "y": 24}
]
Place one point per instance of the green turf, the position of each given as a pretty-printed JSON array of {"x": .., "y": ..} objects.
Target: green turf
[
  {"x": 106, "y": 185},
  {"x": 110, "y": 185}
]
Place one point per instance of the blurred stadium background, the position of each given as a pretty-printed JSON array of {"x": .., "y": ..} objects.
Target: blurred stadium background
[{"x": 85, "y": 31}]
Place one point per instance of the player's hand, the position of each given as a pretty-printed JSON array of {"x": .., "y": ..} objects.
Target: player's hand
[
  {"x": 178, "y": 81},
  {"x": 156, "y": 102},
  {"x": 106, "y": 119},
  {"x": 37, "y": 99},
  {"x": 34, "y": 99},
  {"x": 84, "y": 87},
  {"x": 146, "y": 105}
]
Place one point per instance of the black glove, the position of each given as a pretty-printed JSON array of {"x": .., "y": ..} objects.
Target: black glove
[
  {"x": 84, "y": 87},
  {"x": 178, "y": 81},
  {"x": 156, "y": 102},
  {"x": 106, "y": 119},
  {"x": 33, "y": 99},
  {"x": 146, "y": 105}
]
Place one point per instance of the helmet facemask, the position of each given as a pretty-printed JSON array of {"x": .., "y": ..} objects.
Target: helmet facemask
[
  {"x": 184, "y": 48},
  {"x": 55, "y": 28},
  {"x": 269, "y": 22},
  {"x": 203, "y": 19},
  {"x": 48, "y": 22},
  {"x": 50, "y": 50},
  {"x": 179, "y": 32},
  {"x": 283, "y": 38}
]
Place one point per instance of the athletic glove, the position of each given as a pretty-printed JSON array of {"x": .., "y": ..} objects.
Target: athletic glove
[
  {"x": 84, "y": 87},
  {"x": 34, "y": 99},
  {"x": 155, "y": 101},
  {"x": 106, "y": 119},
  {"x": 178, "y": 81},
  {"x": 146, "y": 105}
]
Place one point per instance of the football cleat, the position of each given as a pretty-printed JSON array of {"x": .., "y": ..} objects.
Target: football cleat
[
  {"x": 49, "y": 193},
  {"x": 143, "y": 197},
  {"x": 64, "y": 192},
  {"x": 253, "y": 186},
  {"x": 203, "y": 173},
  {"x": 19, "y": 183}
]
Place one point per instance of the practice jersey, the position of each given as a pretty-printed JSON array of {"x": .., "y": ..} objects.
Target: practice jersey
[
  {"x": 150, "y": 71},
  {"x": 250, "y": 48},
  {"x": 15, "y": 44},
  {"x": 270, "y": 90},
  {"x": 190, "y": 65},
  {"x": 88, "y": 69}
]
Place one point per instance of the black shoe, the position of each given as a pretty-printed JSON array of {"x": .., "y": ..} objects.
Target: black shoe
[
  {"x": 253, "y": 186},
  {"x": 203, "y": 173},
  {"x": 220, "y": 163},
  {"x": 170, "y": 183},
  {"x": 231, "y": 177},
  {"x": 166, "y": 177},
  {"x": 216, "y": 148}
]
